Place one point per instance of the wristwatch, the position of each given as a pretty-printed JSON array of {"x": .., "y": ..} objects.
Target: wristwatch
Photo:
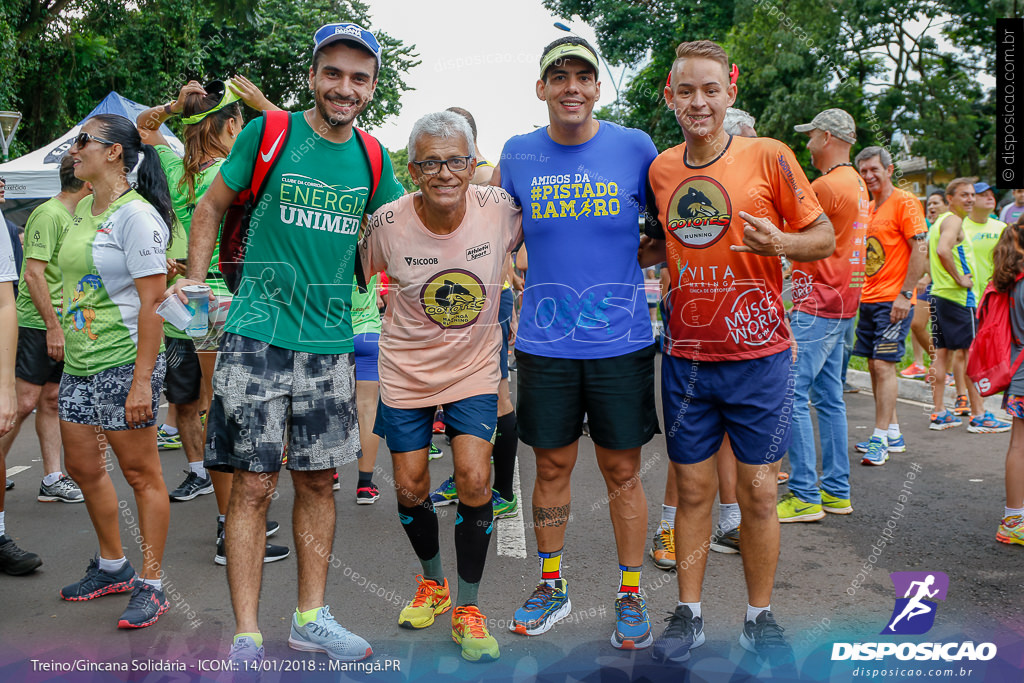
[{"x": 909, "y": 293}]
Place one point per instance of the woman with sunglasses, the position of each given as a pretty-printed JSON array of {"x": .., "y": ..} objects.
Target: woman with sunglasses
[
  {"x": 114, "y": 268},
  {"x": 213, "y": 118}
]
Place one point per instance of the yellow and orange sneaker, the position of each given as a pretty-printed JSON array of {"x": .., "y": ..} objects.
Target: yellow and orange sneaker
[
  {"x": 1011, "y": 530},
  {"x": 962, "y": 406},
  {"x": 430, "y": 600},
  {"x": 470, "y": 631},
  {"x": 663, "y": 550}
]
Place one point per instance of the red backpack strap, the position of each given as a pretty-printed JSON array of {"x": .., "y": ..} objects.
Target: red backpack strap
[
  {"x": 375, "y": 156},
  {"x": 273, "y": 140}
]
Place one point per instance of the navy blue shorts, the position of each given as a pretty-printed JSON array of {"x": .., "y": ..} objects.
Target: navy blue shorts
[
  {"x": 367, "y": 350},
  {"x": 410, "y": 429},
  {"x": 880, "y": 338},
  {"x": 508, "y": 301},
  {"x": 750, "y": 400},
  {"x": 953, "y": 325}
]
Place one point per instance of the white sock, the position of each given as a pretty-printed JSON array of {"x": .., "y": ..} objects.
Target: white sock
[
  {"x": 220, "y": 518},
  {"x": 52, "y": 478},
  {"x": 728, "y": 516},
  {"x": 112, "y": 566},
  {"x": 894, "y": 431},
  {"x": 157, "y": 584},
  {"x": 169, "y": 430},
  {"x": 3, "y": 527},
  {"x": 881, "y": 434},
  {"x": 1007, "y": 512},
  {"x": 668, "y": 516},
  {"x": 752, "y": 611},
  {"x": 694, "y": 607},
  {"x": 198, "y": 468}
]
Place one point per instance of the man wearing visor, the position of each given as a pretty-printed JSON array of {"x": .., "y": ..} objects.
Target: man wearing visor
[
  {"x": 584, "y": 345},
  {"x": 286, "y": 373}
]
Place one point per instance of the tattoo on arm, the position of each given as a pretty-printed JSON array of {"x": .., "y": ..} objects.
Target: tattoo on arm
[{"x": 551, "y": 517}]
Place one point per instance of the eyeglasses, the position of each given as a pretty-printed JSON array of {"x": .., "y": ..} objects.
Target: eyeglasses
[
  {"x": 83, "y": 139},
  {"x": 433, "y": 166}
]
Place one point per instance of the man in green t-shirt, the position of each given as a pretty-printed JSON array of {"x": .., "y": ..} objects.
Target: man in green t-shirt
[
  {"x": 285, "y": 377},
  {"x": 984, "y": 232},
  {"x": 40, "y": 360}
]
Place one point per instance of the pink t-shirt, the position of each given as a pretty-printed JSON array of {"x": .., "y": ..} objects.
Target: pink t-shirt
[{"x": 441, "y": 338}]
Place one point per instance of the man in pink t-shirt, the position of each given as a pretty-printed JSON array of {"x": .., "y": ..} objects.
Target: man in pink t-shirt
[{"x": 443, "y": 249}]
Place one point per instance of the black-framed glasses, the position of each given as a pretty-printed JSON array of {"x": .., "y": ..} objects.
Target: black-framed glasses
[
  {"x": 433, "y": 166},
  {"x": 82, "y": 139}
]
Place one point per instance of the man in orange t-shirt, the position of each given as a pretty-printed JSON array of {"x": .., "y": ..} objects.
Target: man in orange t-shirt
[
  {"x": 717, "y": 202},
  {"x": 825, "y": 298},
  {"x": 896, "y": 252}
]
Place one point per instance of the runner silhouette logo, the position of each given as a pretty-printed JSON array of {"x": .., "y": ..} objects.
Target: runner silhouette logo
[{"x": 916, "y": 596}]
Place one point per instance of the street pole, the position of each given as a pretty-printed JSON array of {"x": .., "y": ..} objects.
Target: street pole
[{"x": 9, "y": 121}]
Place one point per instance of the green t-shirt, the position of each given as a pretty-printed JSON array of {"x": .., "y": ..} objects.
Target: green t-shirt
[
  {"x": 943, "y": 284},
  {"x": 365, "y": 316},
  {"x": 296, "y": 284},
  {"x": 100, "y": 259},
  {"x": 44, "y": 234},
  {"x": 984, "y": 238},
  {"x": 174, "y": 169}
]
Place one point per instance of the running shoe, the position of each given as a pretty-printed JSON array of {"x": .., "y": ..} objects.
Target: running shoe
[
  {"x": 632, "y": 625},
  {"x": 64, "y": 490},
  {"x": 193, "y": 487},
  {"x": 782, "y": 478},
  {"x": 663, "y": 549},
  {"x": 167, "y": 441},
  {"x": 272, "y": 528},
  {"x": 10, "y": 485},
  {"x": 324, "y": 634},
  {"x": 14, "y": 560},
  {"x": 764, "y": 639},
  {"x": 792, "y": 509},
  {"x": 245, "y": 655},
  {"x": 835, "y": 505},
  {"x": 1011, "y": 530},
  {"x": 877, "y": 452},
  {"x": 434, "y": 453},
  {"x": 897, "y": 445},
  {"x": 445, "y": 494},
  {"x": 367, "y": 495},
  {"x": 987, "y": 424},
  {"x": 545, "y": 607},
  {"x": 144, "y": 607},
  {"x": 335, "y": 483},
  {"x": 961, "y": 406},
  {"x": 430, "y": 600},
  {"x": 271, "y": 553},
  {"x": 683, "y": 633},
  {"x": 438, "y": 426},
  {"x": 726, "y": 541},
  {"x": 944, "y": 420},
  {"x": 469, "y": 630},
  {"x": 950, "y": 380},
  {"x": 849, "y": 388},
  {"x": 503, "y": 508},
  {"x": 914, "y": 371},
  {"x": 97, "y": 583}
]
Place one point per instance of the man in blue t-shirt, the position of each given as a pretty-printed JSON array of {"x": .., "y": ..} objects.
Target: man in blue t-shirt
[{"x": 584, "y": 345}]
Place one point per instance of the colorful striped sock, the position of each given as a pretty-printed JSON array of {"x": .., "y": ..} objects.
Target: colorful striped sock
[
  {"x": 550, "y": 566},
  {"x": 630, "y": 581}
]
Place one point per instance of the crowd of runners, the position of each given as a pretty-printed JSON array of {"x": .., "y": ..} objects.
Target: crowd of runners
[{"x": 299, "y": 368}]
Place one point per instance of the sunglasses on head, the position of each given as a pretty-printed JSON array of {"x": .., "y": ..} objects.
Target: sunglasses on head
[{"x": 82, "y": 139}]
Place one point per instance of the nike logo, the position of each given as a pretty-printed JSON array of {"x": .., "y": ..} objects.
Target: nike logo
[
  {"x": 270, "y": 155},
  {"x": 802, "y": 509}
]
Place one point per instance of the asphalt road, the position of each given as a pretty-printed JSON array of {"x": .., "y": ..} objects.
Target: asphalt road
[{"x": 823, "y": 595}]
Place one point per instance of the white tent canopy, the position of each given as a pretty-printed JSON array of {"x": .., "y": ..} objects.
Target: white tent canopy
[{"x": 35, "y": 175}]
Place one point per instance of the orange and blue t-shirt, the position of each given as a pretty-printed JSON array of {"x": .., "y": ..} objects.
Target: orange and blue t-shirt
[
  {"x": 725, "y": 305},
  {"x": 887, "y": 252}
]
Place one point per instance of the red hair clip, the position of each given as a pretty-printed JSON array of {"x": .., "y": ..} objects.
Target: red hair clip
[{"x": 734, "y": 74}]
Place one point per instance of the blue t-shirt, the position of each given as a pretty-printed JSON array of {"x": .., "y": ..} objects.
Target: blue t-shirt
[{"x": 584, "y": 294}]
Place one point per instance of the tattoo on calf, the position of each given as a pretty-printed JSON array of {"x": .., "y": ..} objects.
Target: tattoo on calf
[{"x": 551, "y": 517}]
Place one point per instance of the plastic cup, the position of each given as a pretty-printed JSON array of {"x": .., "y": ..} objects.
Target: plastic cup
[
  {"x": 175, "y": 312},
  {"x": 199, "y": 307}
]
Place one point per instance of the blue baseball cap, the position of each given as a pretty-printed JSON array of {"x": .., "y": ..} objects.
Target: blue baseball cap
[
  {"x": 981, "y": 187},
  {"x": 329, "y": 33}
]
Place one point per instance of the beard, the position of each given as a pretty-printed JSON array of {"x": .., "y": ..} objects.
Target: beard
[{"x": 333, "y": 118}]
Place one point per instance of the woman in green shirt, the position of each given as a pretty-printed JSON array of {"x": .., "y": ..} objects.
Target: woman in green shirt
[{"x": 114, "y": 272}]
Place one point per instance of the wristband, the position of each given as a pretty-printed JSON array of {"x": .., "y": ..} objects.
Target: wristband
[{"x": 167, "y": 109}]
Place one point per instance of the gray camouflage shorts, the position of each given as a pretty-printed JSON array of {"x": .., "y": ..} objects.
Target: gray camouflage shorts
[
  {"x": 265, "y": 397},
  {"x": 99, "y": 399}
]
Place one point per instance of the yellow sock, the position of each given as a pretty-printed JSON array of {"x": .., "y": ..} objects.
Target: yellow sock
[
  {"x": 305, "y": 617},
  {"x": 256, "y": 638},
  {"x": 550, "y": 566},
  {"x": 630, "y": 579}
]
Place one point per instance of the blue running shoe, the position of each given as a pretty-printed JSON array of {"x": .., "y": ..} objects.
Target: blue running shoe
[
  {"x": 245, "y": 655},
  {"x": 944, "y": 420},
  {"x": 987, "y": 424},
  {"x": 97, "y": 583},
  {"x": 897, "y": 445},
  {"x": 144, "y": 607},
  {"x": 683, "y": 633},
  {"x": 545, "y": 607},
  {"x": 324, "y": 634},
  {"x": 632, "y": 625},
  {"x": 445, "y": 494},
  {"x": 877, "y": 452}
]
